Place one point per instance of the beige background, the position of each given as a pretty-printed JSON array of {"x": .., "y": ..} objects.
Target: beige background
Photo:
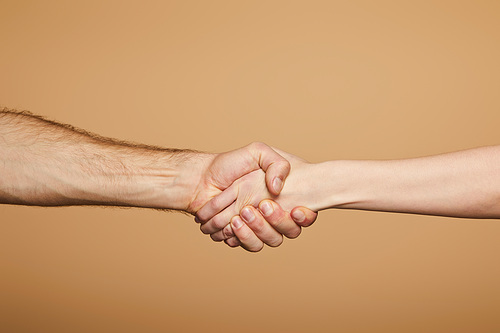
[{"x": 324, "y": 80}]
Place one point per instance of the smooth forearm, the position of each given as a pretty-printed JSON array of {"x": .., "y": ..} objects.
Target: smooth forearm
[
  {"x": 48, "y": 164},
  {"x": 460, "y": 184}
]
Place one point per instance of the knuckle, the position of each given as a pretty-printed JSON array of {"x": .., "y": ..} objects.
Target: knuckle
[
  {"x": 281, "y": 224},
  {"x": 214, "y": 203},
  {"x": 205, "y": 228},
  {"x": 276, "y": 242},
  {"x": 232, "y": 242},
  {"x": 198, "y": 218},
  {"x": 201, "y": 216},
  {"x": 257, "y": 248},
  {"x": 277, "y": 223},
  {"x": 286, "y": 165},
  {"x": 247, "y": 236},
  {"x": 294, "y": 233},
  {"x": 244, "y": 236},
  {"x": 253, "y": 247},
  {"x": 219, "y": 222},
  {"x": 257, "y": 145},
  {"x": 216, "y": 237}
]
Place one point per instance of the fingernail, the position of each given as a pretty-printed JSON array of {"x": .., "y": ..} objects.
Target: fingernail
[
  {"x": 247, "y": 214},
  {"x": 237, "y": 223},
  {"x": 277, "y": 184},
  {"x": 266, "y": 208},
  {"x": 197, "y": 220},
  {"x": 298, "y": 216}
]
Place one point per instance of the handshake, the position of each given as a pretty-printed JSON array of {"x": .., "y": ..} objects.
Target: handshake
[
  {"x": 247, "y": 197},
  {"x": 244, "y": 198},
  {"x": 45, "y": 163}
]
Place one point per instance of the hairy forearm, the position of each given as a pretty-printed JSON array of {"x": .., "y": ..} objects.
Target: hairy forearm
[
  {"x": 50, "y": 164},
  {"x": 460, "y": 184}
]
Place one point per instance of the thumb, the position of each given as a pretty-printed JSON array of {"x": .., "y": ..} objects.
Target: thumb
[{"x": 273, "y": 164}]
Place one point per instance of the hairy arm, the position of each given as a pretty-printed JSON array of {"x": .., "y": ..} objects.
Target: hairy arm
[{"x": 50, "y": 164}]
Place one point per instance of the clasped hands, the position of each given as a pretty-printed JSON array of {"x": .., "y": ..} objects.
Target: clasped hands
[{"x": 241, "y": 198}]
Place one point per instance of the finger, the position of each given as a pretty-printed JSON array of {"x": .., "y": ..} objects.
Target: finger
[
  {"x": 274, "y": 165},
  {"x": 280, "y": 220},
  {"x": 223, "y": 234},
  {"x": 245, "y": 235},
  {"x": 217, "y": 204},
  {"x": 263, "y": 230},
  {"x": 232, "y": 242},
  {"x": 303, "y": 216},
  {"x": 219, "y": 221}
]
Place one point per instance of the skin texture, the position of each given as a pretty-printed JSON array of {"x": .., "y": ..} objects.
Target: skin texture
[
  {"x": 46, "y": 163},
  {"x": 463, "y": 184},
  {"x": 248, "y": 195},
  {"x": 253, "y": 234},
  {"x": 261, "y": 221},
  {"x": 50, "y": 164},
  {"x": 223, "y": 169}
]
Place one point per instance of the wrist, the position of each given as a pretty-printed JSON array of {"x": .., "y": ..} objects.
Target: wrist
[
  {"x": 174, "y": 182},
  {"x": 334, "y": 183},
  {"x": 301, "y": 188},
  {"x": 319, "y": 186},
  {"x": 188, "y": 180}
]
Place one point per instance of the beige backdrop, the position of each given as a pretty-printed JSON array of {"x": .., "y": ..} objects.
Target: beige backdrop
[{"x": 324, "y": 80}]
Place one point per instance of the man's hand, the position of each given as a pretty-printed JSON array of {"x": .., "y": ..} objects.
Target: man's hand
[
  {"x": 220, "y": 171},
  {"x": 46, "y": 163},
  {"x": 249, "y": 190}
]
